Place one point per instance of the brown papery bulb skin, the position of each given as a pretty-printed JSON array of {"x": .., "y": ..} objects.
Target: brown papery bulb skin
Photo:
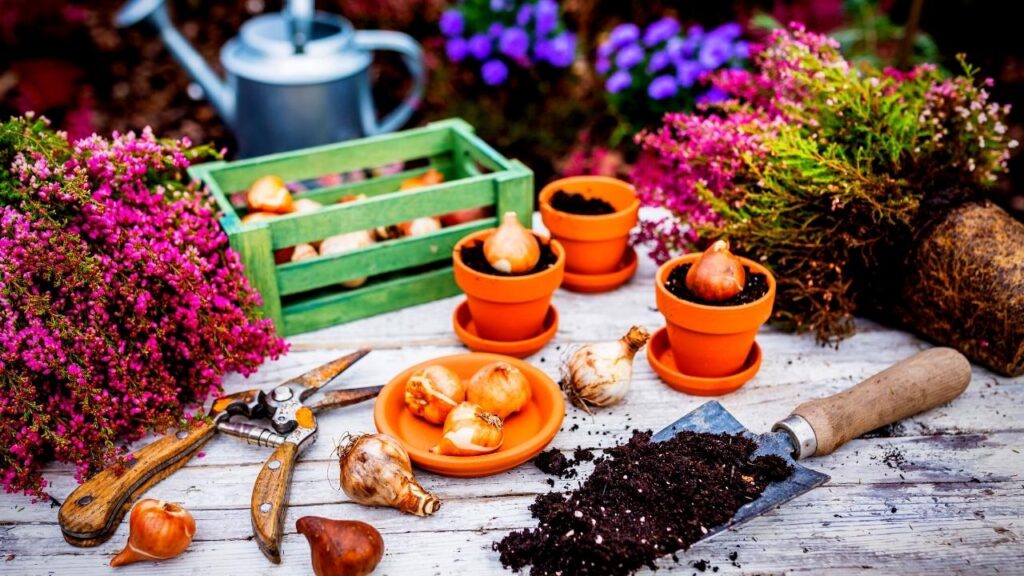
[
  {"x": 500, "y": 389},
  {"x": 431, "y": 393},
  {"x": 269, "y": 194},
  {"x": 157, "y": 530},
  {"x": 341, "y": 547},
  {"x": 512, "y": 249},
  {"x": 376, "y": 471},
  {"x": 717, "y": 275},
  {"x": 469, "y": 431}
]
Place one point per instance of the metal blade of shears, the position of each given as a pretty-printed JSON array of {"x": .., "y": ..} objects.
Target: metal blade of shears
[
  {"x": 339, "y": 398},
  {"x": 322, "y": 375}
]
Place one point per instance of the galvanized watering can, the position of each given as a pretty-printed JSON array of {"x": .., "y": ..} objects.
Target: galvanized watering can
[{"x": 294, "y": 79}]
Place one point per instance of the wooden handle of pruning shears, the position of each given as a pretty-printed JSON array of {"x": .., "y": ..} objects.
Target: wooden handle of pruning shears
[
  {"x": 92, "y": 513},
  {"x": 269, "y": 496}
]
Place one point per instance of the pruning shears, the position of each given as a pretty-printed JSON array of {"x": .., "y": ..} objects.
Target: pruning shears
[{"x": 91, "y": 514}]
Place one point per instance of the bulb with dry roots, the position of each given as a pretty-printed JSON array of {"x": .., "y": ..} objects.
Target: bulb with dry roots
[
  {"x": 376, "y": 471},
  {"x": 600, "y": 374}
]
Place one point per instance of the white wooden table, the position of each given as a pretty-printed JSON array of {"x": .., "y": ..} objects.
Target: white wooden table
[{"x": 955, "y": 506}]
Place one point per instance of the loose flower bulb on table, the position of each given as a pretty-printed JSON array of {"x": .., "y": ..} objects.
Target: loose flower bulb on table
[{"x": 157, "y": 530}]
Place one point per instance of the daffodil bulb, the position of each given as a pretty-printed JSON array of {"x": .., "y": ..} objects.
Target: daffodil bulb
[
  {"x": 600, "y": 374},
  {"x": 469, "y": 431}
]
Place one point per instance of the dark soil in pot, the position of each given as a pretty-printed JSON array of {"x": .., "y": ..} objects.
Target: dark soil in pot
[
  {"x": 574, "y": 203},
  {"x": 753, "y": 290}
]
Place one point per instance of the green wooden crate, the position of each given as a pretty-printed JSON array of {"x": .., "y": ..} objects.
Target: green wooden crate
[{"x": 306, "y": 295}]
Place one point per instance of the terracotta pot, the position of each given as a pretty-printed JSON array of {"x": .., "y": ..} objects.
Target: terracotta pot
[
  {"x": 593, "y": 244},
  {"x": 507, "y": 308},
  {"x": 711, "y": 341}
]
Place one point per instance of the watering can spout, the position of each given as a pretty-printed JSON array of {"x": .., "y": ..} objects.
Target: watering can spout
[{"x": 154, "y": 12}]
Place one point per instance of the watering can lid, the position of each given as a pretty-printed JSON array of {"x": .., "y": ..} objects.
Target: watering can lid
[{"x": 264, "y": 51}]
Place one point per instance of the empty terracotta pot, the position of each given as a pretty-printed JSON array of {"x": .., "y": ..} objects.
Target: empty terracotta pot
[
  {"x": 593, "y": 244},
  {"x": 711, "y": 341},
  {"x": 507, "y": 308}
]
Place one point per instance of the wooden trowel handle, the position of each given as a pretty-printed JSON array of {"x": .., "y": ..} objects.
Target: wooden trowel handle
[{"x": 921, "y": 382}]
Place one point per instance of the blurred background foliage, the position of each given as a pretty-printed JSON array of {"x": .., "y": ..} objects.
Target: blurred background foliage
[{"x": 66, "y": 59}]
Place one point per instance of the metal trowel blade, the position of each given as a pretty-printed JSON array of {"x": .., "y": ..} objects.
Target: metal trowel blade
[{"x": 712, "y": 417}]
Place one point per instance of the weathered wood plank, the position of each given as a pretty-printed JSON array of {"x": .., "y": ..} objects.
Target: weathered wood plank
[{"x": 945, "y": 530}]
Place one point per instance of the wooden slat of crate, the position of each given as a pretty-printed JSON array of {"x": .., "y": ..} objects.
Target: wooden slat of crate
[
  {"x": 292, "y": 229},
  {"x": 380, "y": 258},
  {"x": 432, "y": 140},
  {"x": 345, "y": 306}
]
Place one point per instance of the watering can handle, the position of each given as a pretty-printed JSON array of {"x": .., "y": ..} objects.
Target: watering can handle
[{"x": 412, "y": 56}]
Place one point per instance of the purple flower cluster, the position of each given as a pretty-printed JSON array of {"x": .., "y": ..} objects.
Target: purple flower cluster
[
  {"x": 120, "y": 301},
  {"x": 665, "y": 64},
  {"x": 500, "y": 33}
]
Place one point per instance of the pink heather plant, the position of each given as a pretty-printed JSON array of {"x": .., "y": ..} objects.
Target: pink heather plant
[
  {"x": 822, "y": 169},
  {"x": 120, "y": 302}
]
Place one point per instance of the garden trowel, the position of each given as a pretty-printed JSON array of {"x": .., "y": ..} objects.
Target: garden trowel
[{"x": 817, "y": 427}]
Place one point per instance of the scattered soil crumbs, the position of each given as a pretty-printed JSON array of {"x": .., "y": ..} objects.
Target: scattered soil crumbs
[
  {"x": 755, "y": 288},
  {"x": 473, "y": 256},
  {"x": 574, "y": 203},
  {"x": 643, "y": 500},
  {"x": 894, "y": 458},
  {"x": 582, "y": 455},
  {"x": 555, "y": 463}
]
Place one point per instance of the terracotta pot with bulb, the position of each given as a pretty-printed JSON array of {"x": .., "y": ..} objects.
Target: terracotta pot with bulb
[
  {"x": 508, "y": 308},
  {"x": 593, "y": 244},
  {"x": 712, "y": 341}
]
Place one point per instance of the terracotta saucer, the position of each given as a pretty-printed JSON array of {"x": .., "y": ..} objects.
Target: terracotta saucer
[
  {"x": 592, "y": 283},
  {"x": 526, "y": 433},
  {"x": 466, "y": 331},
  {"x": 659, "y": 355}
]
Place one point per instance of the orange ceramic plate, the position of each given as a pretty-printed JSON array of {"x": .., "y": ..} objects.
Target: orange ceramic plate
[
  {"x": 466, "y": 331},
  {"x": 659, "y": 355},
  {"x": 526, "y": 432},
  {"x": 593, "y": 283}
]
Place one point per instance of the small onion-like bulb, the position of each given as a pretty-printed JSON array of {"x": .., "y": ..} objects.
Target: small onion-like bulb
[
  {"x": 717, "y": 275},
  {"x": 348, "y": 242},
  {"x": 469, "y": 431},
  {"x": 431, "y": 393},
  {"x": 269, "y": 194},
  {"x": 500, "y": 389},
  {"x": 305, "y": 205},
  {"x": 376, "y": 471},
  {"x": 157, "y": 530},
  {"x": 512, "y": 249}
]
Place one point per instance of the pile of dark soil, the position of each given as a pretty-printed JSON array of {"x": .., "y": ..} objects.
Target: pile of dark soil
[
  {"x": 473, "y": 256},
  {"x": 755, "y": 288},
  {"x": 643, "y": 500},
  {"x": 574, "y": 203}
]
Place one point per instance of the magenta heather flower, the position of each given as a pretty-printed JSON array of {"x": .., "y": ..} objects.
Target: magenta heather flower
[{"x": 120, "y": 301}]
